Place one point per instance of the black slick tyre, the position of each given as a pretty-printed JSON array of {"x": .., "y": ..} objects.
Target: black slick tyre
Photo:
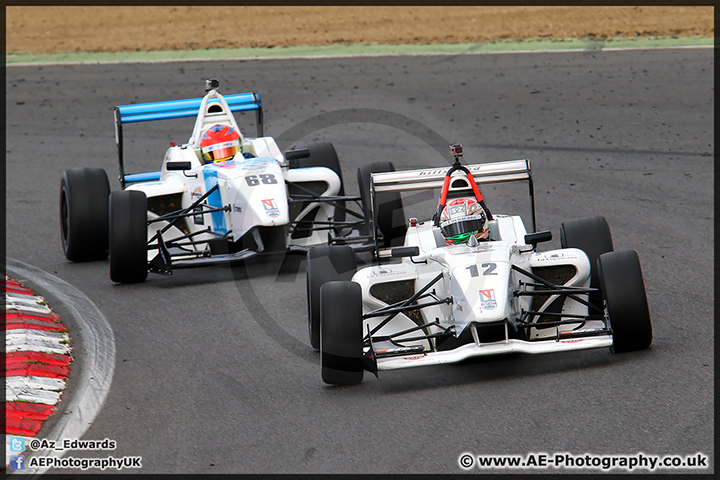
[
  {"x": 341, "y": 336},
  {"x": 128, "y": 236},
  {"x": 625, "y": 299},
  {"x": 84, "y": 196},
  {"x": 325, "y": 263},
  {"x": 323, "y": 154},
  {"x": 390, "y": 214},
  {"x": 592, "y": 236}
]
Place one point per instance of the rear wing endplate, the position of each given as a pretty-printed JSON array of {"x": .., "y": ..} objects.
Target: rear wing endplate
[
  {"x": 429, "y": 178},
  {"x": 146, "y": 112}
]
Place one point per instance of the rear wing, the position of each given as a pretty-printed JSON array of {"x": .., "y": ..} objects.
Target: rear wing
[
  {"x": 146, "y": 112},
  {"x": 429, "y": 178}
]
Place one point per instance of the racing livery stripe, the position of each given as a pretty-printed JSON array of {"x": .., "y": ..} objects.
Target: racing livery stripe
[{"x": 210, "y": 175}]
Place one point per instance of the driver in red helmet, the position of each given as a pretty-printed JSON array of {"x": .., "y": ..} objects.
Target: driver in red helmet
[{"x": 220, "y": 143}]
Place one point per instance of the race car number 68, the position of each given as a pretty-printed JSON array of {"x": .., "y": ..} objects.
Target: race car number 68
[{"x": 265, "y": 178}]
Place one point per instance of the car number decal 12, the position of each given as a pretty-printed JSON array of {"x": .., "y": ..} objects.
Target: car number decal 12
[{"x": 489, "y": 269}]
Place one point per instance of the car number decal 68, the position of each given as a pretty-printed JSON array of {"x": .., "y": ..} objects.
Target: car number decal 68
[{"x": 264, "y": 178}]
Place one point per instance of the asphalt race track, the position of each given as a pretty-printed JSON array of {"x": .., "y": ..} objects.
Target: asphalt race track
[{"x": 214, "y": 372}]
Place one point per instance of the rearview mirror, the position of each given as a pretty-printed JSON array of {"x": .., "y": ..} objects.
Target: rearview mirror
[
  {"x": 401, "y": 252},
  {"x": 297, "y": 153},
  {"x": 178, "y": 165},
  {"x": 537, "y": 237}
]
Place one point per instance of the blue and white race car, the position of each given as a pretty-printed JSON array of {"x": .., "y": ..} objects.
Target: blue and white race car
[{"x": 193, "y": 212}]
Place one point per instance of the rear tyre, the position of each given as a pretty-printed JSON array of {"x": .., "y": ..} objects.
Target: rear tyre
[
  {"x": 390, "y": 214},
  {"x": 592, "y": 236},
  {"x": 128, "y": 236},
  {"x": 325, "y": 263},
  {"x": 341, "y": 336},
  {"x": 84, "y": 196},
  {"x": 323, "y": 154},
  {"x": 625, "y": 300}
]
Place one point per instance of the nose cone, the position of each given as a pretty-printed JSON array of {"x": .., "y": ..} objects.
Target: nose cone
[{"x": 482, "y": 277}]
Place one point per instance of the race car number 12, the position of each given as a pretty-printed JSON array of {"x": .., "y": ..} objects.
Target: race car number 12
[
  {"x": 490, "y": 267},
  {"x": 265, "y": 178}
]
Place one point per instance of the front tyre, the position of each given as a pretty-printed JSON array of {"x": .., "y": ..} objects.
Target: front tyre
[
  {"x": 325, "y": 263},
  {"x": 84, "y": 196},
  {"x": 128, "y": 236},
  {"x": 341, "y": 336},
  {"x": 624, "y": 293}
]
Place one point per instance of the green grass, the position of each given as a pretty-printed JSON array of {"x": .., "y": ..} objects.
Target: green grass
[{"x": 357, "y": 49}]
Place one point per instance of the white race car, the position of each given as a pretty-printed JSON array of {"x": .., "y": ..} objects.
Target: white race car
[
  {"x": 445, "y": 303},
  {"x": 193, "y": 213}
]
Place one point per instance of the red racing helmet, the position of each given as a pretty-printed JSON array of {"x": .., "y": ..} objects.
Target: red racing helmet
[{"x": 219, "y": 143}]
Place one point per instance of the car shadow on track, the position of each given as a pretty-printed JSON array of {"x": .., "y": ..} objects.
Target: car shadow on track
[{"x": 488, "y": 370}]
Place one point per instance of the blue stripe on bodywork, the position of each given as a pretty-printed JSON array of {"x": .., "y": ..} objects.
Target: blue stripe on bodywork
[
  {"x": 142, "y": 177},
  {"x": 214, "y": 199}
]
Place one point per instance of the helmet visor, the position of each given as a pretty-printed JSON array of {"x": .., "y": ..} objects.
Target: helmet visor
[
  {"x": 465, "y": 226},
  {"x": 221, "y": 151}
]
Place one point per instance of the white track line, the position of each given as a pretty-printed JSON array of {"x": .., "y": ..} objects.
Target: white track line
[{"x": 357, "y": 55}]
